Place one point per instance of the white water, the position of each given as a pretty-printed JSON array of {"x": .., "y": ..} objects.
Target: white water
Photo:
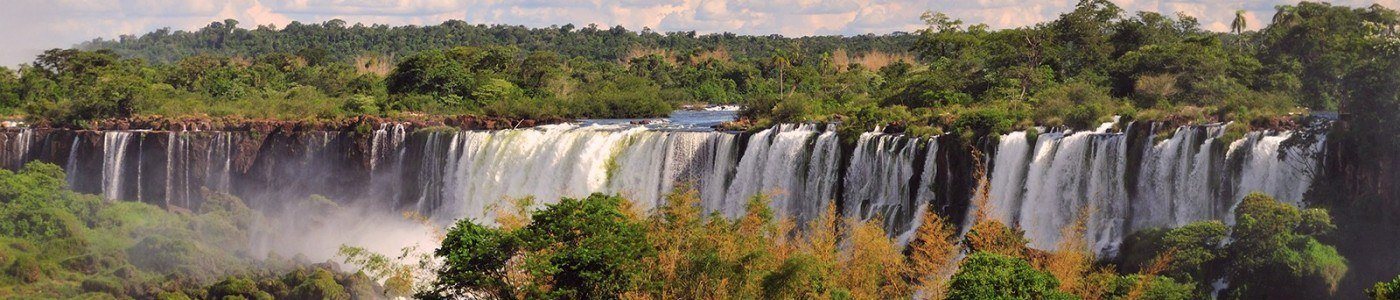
[
  {"x": 114, "y": 144},
  {"x": 1040, "y": 185},
  {"x": 1286, "y": 178},
  {"x": 879, "y": 180},
  {"x": 1181, "y": 180},
  {"x": 1008, "y": 177},
  {"x": 793, "y": 164}
]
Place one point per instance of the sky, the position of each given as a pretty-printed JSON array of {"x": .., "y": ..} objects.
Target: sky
[{"x": 29, "y": 26}]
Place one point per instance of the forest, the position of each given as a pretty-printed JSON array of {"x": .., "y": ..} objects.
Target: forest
[
  {"x": 1087, "y": 66},
  {"x": 1090, "y": 63}
]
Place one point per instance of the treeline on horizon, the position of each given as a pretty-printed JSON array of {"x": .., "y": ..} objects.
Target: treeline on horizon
[{"x": 1077, "y": 70}]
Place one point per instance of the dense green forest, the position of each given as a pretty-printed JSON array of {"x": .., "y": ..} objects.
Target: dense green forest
[
  {"x": 1088, "y": 64},
  {"x": 333, "y": 39}
]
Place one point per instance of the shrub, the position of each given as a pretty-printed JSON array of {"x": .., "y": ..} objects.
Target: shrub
[
  {"x": 237, "y": 287},
  {"x": 319, "y": 284},
  {"x": 102, "y": 285},
  {"x": 1157, "y": 288},
  {"x": 985, "y": 275},
  {"x": 1385, "y": 290},
  {"x": 474, "y": 260},
  {"x": 26, "y": 269},
  {"x": 994, "y": 237}
]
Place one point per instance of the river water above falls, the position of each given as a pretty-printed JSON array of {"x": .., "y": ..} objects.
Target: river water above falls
[{"x": 1124, "y": 181}]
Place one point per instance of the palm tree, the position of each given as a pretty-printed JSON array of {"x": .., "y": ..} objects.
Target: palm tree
[
  {"x": 1238, "y": 24},
  {"x": 780, "y": 62}
]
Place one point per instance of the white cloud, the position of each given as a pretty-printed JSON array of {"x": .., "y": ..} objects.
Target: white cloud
[{"x": 29, "y": 26}]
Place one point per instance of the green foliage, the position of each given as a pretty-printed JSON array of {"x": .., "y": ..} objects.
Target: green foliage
[
  {"x": 1385, "y": 290},
  {"x": 1158, "y": 288},
  {"x": 237, "y": 287},
  {"x": 333, "y": 40},
  {"x": 318, "y": 284},
  {"x": 1273, "y": 252},
  {"x": 474, "y": 261},
  {"x": 1196, "y": 251},
  {"x": 1075, "y": 70},
  {"x": 1274, "y": 247},
  {"x": 66, "y": 244},
  {"x": 577, "y": 248},
  {"x": 985, "y": 275}
]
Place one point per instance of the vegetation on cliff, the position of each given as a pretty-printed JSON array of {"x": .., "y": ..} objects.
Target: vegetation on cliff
[{"x": 56, "y": 243}]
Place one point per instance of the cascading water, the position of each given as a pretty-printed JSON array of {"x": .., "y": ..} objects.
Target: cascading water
[
  {"x": 114, "y": 145},
  {"x": 1039, "y": 183},
  {"x": 1176, "y": 181},
  {"x": 780, "y": 162},
  {"x": 1180, "y": 180},
  {"x": 1268, "y": 167},
  {"x": 482, "y": 169},
  {"x": 1008, "y": 177},
  {"x": 881, "y": 180}
]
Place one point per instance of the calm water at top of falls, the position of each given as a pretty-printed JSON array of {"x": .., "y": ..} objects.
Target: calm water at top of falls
[{"x": 679, "y": 119}]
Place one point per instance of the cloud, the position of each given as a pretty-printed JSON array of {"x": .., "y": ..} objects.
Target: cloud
[{"x": 33, "y": 25}]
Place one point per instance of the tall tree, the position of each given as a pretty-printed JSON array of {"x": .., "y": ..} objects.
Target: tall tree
[{"x": 1238, "y": 24}]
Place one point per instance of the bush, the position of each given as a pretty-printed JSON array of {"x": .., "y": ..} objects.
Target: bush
[
  {"x": 320, "y": 284},
  {"x": 986, "y": 275},
  {"x": 1196, "y": 250},
  {"x": 237, "y": 287},
  {"x": 1158, "y": 288},
  {"x": 26, "y": 269},
  {"x": 103, "y": 285},
  {"x": 1385, "y": 290},
  {"x": 1269, "y": 250}
]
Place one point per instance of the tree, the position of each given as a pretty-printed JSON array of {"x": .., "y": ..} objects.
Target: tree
[
  {"x": 575, "y": 249},
  {"x": 1238, "y": 24},
  {"x": 1275, "y": 245},
  {"x": 1196, "y": 252},
  {"x": 986, "y": 275},
  {"x": 9, "y": 89},
  {"x": 474, "y": 262},
  {"x": 931, "y": 256}
]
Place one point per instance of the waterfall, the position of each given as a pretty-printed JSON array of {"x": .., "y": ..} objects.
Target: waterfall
[
  {"x": 17, "y": 151},
  {"x": 718, "y": 170},
  {"x": 778, "y": 162},
  {"x": 482, "y": 169},
  {"x": 386, "y": 139},
  {"x": 879, "y": 182},
  {"x": 218, "y": 167},
  {"x": 71, "y": 164},
  {"x": 114, "y": 145},
  {"x": 1055, "y": 196},
  {"x": 1116, "y": 182},
  {"x": 1008, "y": 177},
  {"x": 1271, "y": 168}
]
